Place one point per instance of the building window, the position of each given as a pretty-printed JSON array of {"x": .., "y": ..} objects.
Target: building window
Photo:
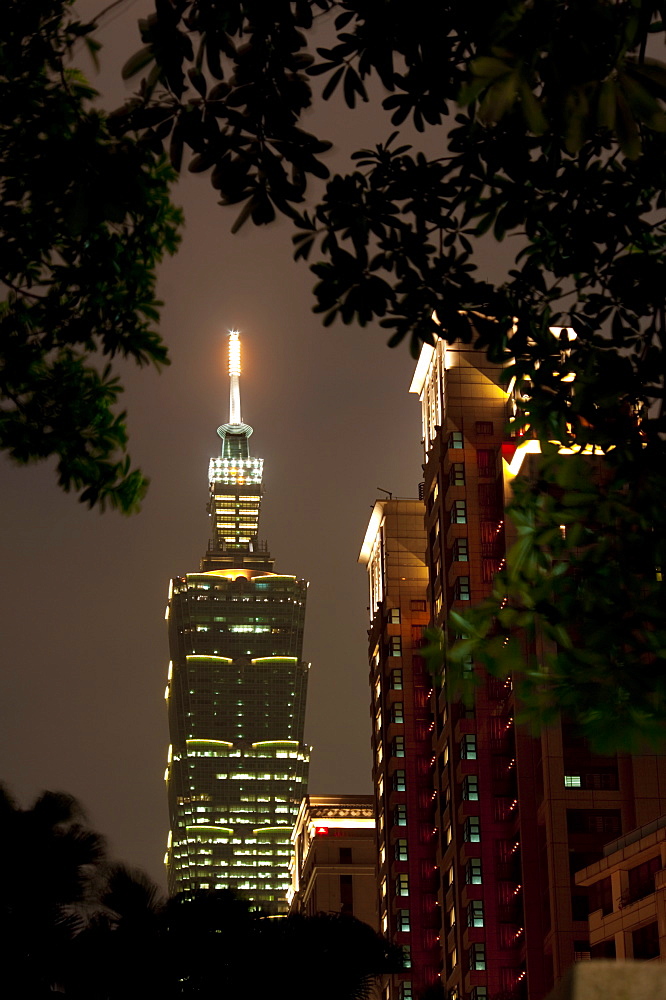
[
  {"x": 472, "y": 830},
  {"x": 461, "y": 591},
  {"x": 459, "y": 512},
  {"x": 601, "y": 895},
  {"x": 346, "y": 894},
  {"x": 398, "y": 746},
  {"x": 606, "y": 821},
  {"x": 477, "y": 957},
  {"x": 400, "y": 850},
  {"x": 485, "y": 461},
  {"x": 475, "y": 913},
  {"x": 405, "y": 990},
  {"x": 646, "y": 941},
  {"x": 399, "y": 781},
  {"x": 460, "y": 550},
  {"x": 456, "y": 440},
  {"x": 457, "y": 474},
  {"x": 400, "y": 815},
  {"x": 641, "y": 879},
  {"x": 582, "y": 951},
  {"x": 484, "y": 427},
  {"x": 418, "y": 605},
  {"x": 468, "y": 747},
  {"x": 470, "y": 788},
  {"x": 479, "y": 993},
  {"x": 572, "y": 781},
  {"x": 396, "y": 679},
  {"x": 406, "y": 956},
  {"x": 403, "y": 920},
  {"x": 394, "y": 616},
  {"x": 395, "y": 646},
  {"x": 345, "y": 855},
  {"x": 473, "y": 872},
  {"x": 402, "y": 885},
  {"x": 397, "y": 712}
]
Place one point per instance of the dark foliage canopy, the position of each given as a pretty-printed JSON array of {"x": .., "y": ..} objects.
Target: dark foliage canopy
[
  {"x": 85, "y": 218},
  {"x": 75, "y": 925},
  {"x": 549, "y": 117}
]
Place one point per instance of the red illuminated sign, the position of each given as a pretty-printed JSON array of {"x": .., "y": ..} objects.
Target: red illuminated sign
[{"x": 321, "y": 831}]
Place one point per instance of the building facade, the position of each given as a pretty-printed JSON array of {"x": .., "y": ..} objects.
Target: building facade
[
  {"x": 393, "y": 552},
  {"x": 516, "y": 815},
  {"x": 333, "y": 865},
  {"x": 628, "y": 896},
  {"x": 236, "y": 689}
]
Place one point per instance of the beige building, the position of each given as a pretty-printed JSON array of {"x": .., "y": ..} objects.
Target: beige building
[
  {"x": 628, "y": 896},
  {"x": 333, "y": 864}
]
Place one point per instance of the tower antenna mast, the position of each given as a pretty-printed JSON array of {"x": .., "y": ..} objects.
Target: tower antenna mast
[{"x": 234, "y": 376}]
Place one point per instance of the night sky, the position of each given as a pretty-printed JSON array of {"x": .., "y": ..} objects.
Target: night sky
[{"x": 83, "y": 595}]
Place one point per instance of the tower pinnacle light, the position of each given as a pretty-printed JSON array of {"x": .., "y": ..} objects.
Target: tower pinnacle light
[{"x": 234, "y": 376}]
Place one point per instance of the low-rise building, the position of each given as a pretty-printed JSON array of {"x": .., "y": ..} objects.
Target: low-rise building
[{"x": 334, "y": 857}]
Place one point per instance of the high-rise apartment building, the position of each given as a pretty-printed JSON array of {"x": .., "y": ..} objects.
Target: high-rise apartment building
[
  {"x": 516, "y": 815},
  {"x": 238, "y": 767},
  {"x": 401, "y": 689}
]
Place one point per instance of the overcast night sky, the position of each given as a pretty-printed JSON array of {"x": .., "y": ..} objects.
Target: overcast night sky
[{"x": 84, "y": 639}]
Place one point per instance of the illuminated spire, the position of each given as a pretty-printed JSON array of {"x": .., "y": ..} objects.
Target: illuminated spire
[{"x": 234, "y": 376}]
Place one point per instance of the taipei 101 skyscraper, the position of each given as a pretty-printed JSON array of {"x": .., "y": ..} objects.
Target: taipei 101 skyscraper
[{"x": 237, "y": 766}]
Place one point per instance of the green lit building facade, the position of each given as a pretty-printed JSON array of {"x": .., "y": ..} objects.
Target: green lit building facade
[{"x": 236, "y": 690}]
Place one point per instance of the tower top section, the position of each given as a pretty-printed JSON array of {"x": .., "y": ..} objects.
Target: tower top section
[
  {"x": 235, "y": 480},
  {"x": 235, "y": 433}
]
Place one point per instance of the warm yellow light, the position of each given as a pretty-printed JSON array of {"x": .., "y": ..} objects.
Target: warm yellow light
[
  {"x": 533, "y": 447},
  {"x": 221, "y": 743},
  {"x": 234, "y": 353}
]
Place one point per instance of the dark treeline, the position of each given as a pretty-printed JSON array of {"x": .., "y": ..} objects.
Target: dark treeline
[{"x": 75, "y": 924}]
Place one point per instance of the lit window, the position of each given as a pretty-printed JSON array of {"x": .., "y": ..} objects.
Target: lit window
[
  {"x": 470, "y": 788},
  {"x": 397, "y": 712},
  {"x": 457, "y": 474},
  {"x": 403, "y": 920},
  {"x": 396, "y": 679},
  {"x": 461, "y": 591},
  {"x": 400, "y": 850},
  {"x": 394, "y": 616},
  {"x": 405, "y": 990},
  {"x": 398, "y": 746},
  {"x": 406, "y": 956},
  {"x": 472, "y": 830},
  {"x": 475, "y": 913},
  {"x": 402, "y": 885},
  {"x": 400, "y": 815},
  {"x": 473, "y": 872},
  {"x": 479, "y": 993},
  {"x": 395, "y": 646},
  {"x": 477, "y": 957},
  {"x": 460, "y": 550},
  {"x": 456, "y": 440},
  {"x": 459, "y": 512},
  {"x": 399, "y": 781},
  {"x": 468, "y": 747},
  {"x": 572, "y": 781}
]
